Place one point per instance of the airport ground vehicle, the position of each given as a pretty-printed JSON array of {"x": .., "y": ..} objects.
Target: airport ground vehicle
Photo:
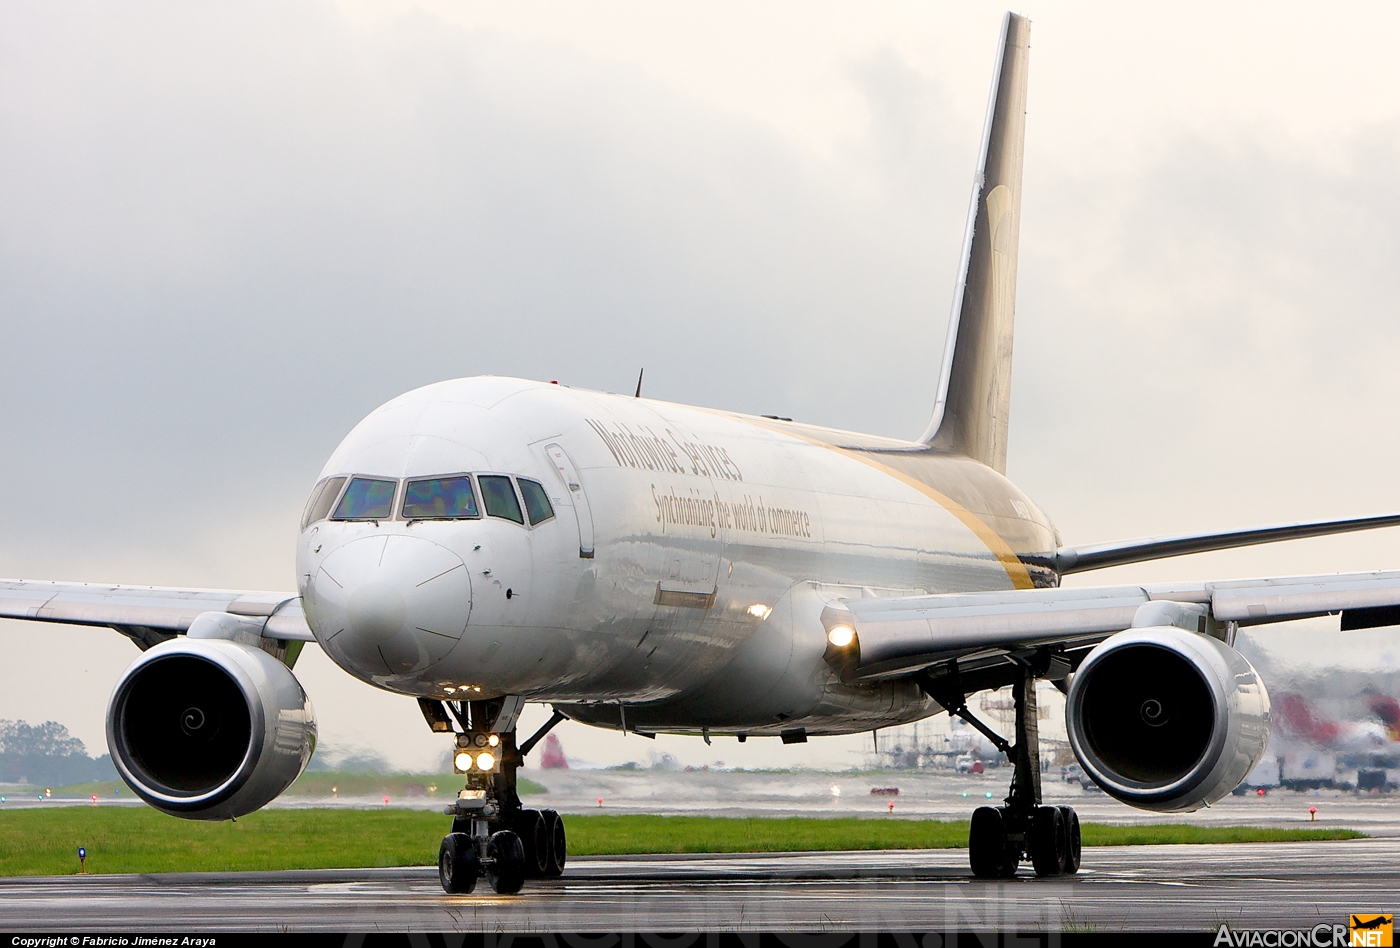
[{"x": 480, "y": 543}]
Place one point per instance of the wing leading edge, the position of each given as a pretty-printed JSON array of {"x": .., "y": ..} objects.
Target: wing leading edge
[
  {"x": 1122, "y": 552},
  {"x": 901, "y": 636},
  {"x": 149, "y": 615}
]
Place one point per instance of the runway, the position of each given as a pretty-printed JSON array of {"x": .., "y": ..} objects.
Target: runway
[{"x": 1139, "y": 888}]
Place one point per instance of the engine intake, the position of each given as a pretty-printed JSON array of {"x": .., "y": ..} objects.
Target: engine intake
[
  {"x": 1166, "y": 719},
  {"x": 209, "y": 729}
]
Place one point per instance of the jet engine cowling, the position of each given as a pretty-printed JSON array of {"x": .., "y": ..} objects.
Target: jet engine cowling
[
  {"x": 208, "y": 729},
  {"x": 1165, "y": 719}
]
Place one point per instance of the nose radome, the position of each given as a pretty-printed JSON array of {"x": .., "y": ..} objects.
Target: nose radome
[
  {"x": 389, "y": 606},
  {"x": 376, "y": 612}
]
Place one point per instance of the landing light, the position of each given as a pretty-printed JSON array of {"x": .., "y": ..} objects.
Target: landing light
[
  {"x": 485, "y": 760},
  {"x": 759, "y": 611},
  {"x": 494, "y": 740},
  {"x": 841, "y": 636},
  {"x": 463, "y": 761}
]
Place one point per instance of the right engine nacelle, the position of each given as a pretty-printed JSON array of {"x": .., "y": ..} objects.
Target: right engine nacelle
[
  {"x": 208, "y": 729},
  {"x": 1165, "y": 719}
]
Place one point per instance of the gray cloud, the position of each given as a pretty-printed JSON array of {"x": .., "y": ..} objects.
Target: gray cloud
[{"x": 1209, "y": 337}]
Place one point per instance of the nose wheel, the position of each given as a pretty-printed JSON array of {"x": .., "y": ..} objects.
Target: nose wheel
[
  {"x": 459, "y": 865},
  {"x": 505, "y": 862},
  {"x": 543, "y": 842},
  {"x": 999, "y": 838}
]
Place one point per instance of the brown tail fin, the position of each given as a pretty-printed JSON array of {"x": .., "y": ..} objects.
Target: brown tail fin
[{"x": 974, "y": 390}]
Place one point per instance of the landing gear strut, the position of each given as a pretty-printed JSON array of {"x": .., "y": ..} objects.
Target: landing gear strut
[
  {"x": 1021, "y": 828},
  {"x": 493, "y": 836}
]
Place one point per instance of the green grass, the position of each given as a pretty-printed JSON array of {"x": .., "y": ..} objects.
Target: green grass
[
  {"x": 139, "y": 839},
  {"x": 616, "y": 835},
  {"x": 1103, "y": 834},
  {"x": 397, "y": 786}
]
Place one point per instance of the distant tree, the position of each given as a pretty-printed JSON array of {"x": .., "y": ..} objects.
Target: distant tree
[
  {"x": 49, "y": 739},
  {"x": 48, "y": 755}
]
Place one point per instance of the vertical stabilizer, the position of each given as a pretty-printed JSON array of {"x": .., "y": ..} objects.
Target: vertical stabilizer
[{"x": 974, "y": 390}]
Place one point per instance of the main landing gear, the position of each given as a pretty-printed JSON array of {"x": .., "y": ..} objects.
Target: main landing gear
[
  {"x": 493, "y": 836},
  {"x": 1021, "y": 828}
]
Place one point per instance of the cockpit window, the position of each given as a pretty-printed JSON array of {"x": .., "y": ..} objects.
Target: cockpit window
[
  {"x": 536, "y": 501},
  {"x": 499, "y": 498},
  {"x": 322, "y": 496},
  {"x": 439, "y": 498},
  {"x": 367, "y": 499}
]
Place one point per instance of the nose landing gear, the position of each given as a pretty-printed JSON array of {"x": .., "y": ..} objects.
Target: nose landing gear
[
  {"x": 493, "y": 836},
  {"x": 1021, "y": 828}
]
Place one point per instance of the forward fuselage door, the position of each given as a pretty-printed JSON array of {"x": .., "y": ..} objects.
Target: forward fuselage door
[{"x": 582, "y": 512}]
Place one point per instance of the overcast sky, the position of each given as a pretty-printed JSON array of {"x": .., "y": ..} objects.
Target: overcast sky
[{"x": 229, "y": 232}]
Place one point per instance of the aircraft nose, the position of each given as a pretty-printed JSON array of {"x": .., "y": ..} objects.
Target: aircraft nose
[
  {"x": 389, "y": 606},
  {"x": 376, "y": 611}
]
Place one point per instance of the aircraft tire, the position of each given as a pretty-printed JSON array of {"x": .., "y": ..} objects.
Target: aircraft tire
[
  {"x": 1049, "y": 841},
  {"x": 530, "y": 826},
  {"x": 558, "y": 848},
  {"x": 458, "y": 865},
  {"x": 986, "y": 844},
  {"x": 1073, "y": 845},
  {"x": 506, "y": 868}
]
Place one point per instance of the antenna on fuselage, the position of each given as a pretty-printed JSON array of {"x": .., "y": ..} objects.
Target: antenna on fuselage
[{"x": 639, "y": 382}]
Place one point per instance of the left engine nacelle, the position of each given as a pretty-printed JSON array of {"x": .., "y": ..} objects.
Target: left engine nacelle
[
  {"x": 209, "y": 730},
  {"x": 1166, "y": 719}
]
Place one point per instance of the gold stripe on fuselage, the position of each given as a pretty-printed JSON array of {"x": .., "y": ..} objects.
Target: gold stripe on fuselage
[{"x": 1016, "y": 570}]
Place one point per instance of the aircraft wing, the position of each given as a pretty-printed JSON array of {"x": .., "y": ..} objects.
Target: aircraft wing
[
  {"x": 148, "y": 615},
  {"x": 900, "y": 636},
  {"x": 1121, "y": 552}
]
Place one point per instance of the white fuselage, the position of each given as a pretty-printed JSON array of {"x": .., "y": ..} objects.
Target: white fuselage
[{"x": 679, "y": 580}]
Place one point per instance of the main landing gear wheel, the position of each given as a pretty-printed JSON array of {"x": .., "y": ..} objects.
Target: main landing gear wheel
[
  {"x": 987, "y": 846},
  {"x": 530, "y": 826},
  {"x": 558, "y": 848},
  {"x": 458, "y": 865},
  {"x": 505, "y": 866},
  {"x": 1000, "y": 837},
  {"x": 1072, "y": 841},
  {"x": 1048, "y": 841}
]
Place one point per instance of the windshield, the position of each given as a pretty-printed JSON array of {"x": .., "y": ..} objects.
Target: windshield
[
  {"x": 439, "y": 498},
  {"x": 536, "y": 501},
  {"x": 499, "y": 498},
  {"x": 367, "y": 499},
  {"x": 322, "y": 497}
]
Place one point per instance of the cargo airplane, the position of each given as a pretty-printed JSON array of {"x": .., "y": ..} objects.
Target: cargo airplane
[{"x": 481, "y": 543}]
